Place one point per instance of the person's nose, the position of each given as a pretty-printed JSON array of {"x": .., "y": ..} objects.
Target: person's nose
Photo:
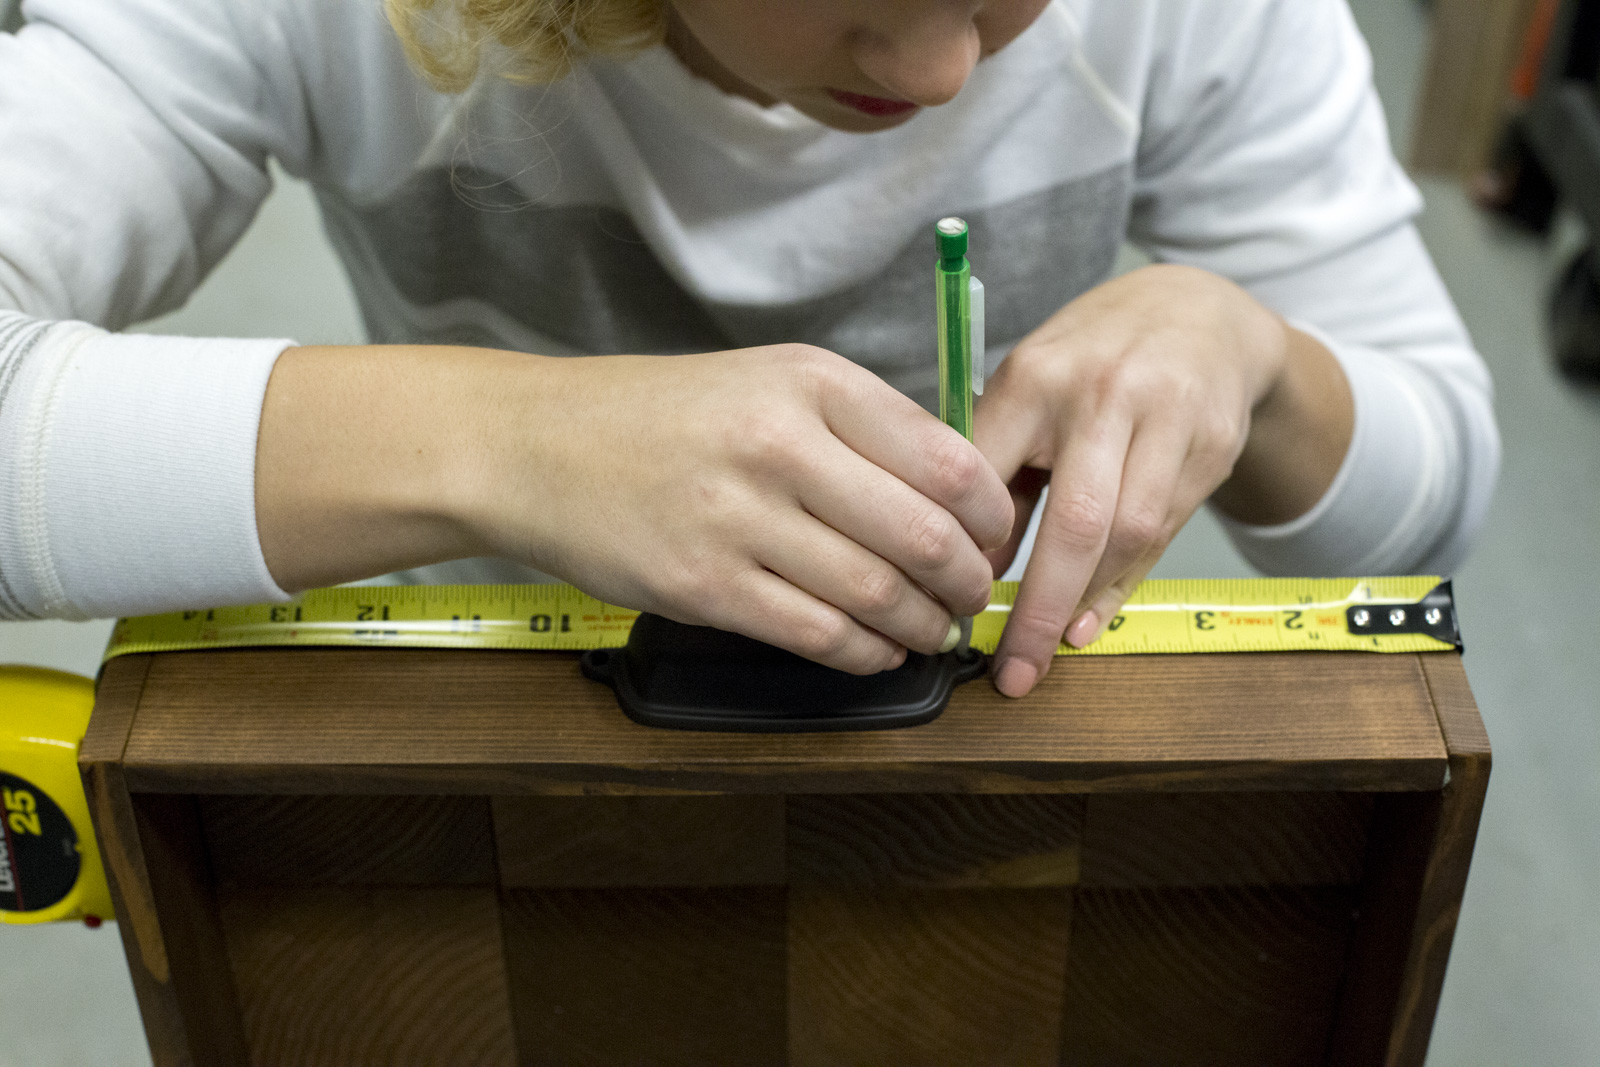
[{"x": 925, "y": 61}]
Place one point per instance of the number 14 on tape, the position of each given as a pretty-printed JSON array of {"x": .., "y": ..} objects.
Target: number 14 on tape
[{"x": 1251, "y": 615}]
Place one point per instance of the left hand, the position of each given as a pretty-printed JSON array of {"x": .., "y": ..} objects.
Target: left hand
[{"x": 1139, "y": 399}]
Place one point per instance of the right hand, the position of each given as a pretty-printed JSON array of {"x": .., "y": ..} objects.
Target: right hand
[{"x": 782, "y": 492}]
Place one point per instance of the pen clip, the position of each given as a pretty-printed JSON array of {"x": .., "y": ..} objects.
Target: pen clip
[{"x": 975, "y": 300}]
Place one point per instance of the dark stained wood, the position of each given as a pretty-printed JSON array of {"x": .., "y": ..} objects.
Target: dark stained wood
[
  {"x": 1226, "y": 839},
  {"x": 926, "y": 978},
  {"x": 349, "y": 840},
  {"x": 459, "y": 857},
  {"x": 1466, "y": 738},
  {"x": 1417, "y": 872},
  {"x": 116, "y": 701},
  {"x": 1445, "y": 880},
  {"x": 200, "y": 983},
  {"x": 664, "y": 977},
  {"x": 160, "y": 887},
  {"x": 403, "y": 977},
  {"x": 116, "y": 697},
  {"x": 425, "y": 721},
  {"x": 640, "y": 841},
  {"x": 139, "y": 926},
  {"x": 1196, "y": 977},
  {"x": 1404, "y": 826},
  {"x": 951, "y": 841}
]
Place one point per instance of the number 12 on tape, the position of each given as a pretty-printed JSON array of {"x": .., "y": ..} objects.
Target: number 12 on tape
[{"x": 1251, "y": 615}]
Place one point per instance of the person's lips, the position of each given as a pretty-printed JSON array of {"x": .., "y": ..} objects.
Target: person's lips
[{"x": 871, "y": 105}]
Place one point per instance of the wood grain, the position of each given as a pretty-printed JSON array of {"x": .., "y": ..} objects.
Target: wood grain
[
  {"x": 1411, "y": 898},
  {"x": 1465, "y": 736},
  {"x": 425, "y": 721},
  {"x": 116, "y": 702},
  {"x": 116, "y": 699},
  {"x": 138, "y": 924},
  {"x": 349, "y": 840},
  {"x": 1226, "y": 839},
  {"x": 953, "y": 841},
  {"x": 391, "y": 977},
  {"x": 160, "y": 889},
  {"x": 1445, "y": 878},
  {"x": 198, "y": 1012},
  {"x": 1195, "y": 977},
  {"x": 926, "y": 978},
  {"x": 906, "y": 897},
  {"x": 647, "y": 977},
  {"x": 640, "y": 841}
]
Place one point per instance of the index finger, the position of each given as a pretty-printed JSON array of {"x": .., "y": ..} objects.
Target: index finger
[
  {"x": 1066, "y": 552},
  {"x": 895, "y": 433}
]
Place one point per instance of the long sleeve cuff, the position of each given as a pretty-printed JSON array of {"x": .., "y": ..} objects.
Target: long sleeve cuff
[
  {"x": 127, "y": 471},
  {"x": 1397, "y": 504}
]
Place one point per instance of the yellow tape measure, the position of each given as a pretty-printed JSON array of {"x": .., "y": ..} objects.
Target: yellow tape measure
[
  {"x": 49, "y": 865},
  {"x": 50, "y": 869},
  {"x": 1411, "y": 614}
]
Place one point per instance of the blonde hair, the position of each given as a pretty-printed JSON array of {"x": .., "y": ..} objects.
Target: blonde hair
[{"x": 538, "y": 40}]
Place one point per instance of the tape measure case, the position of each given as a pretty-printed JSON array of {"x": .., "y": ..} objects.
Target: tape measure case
[{"x": 49, "y": 864}]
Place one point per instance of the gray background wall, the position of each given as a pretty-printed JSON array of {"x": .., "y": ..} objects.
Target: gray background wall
[{"x": 1524, "y": 985}]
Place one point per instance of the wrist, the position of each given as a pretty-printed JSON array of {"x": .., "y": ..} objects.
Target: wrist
[
  {"x": 1300, "y": 430},
  {"x": 369, "y": 460},
  {"x": 504, "y": 423},
  {"x": 1266, "y": 333}
]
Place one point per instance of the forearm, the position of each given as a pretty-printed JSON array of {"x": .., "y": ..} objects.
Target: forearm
[
  {"x": 1299, "y": 434},
  {"x": 369, "y": 458},
  {"x": 784, "y": 493}
]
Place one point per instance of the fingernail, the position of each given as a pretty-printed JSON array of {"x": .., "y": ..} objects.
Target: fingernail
[
  {"x": 1084, "y": 630},
  {"x": 953, "y": 638},
  {"x": 1015, "y": 677}
]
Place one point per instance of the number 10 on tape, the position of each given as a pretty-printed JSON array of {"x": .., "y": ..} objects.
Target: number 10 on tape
[{"x": 1251, "y": 615}]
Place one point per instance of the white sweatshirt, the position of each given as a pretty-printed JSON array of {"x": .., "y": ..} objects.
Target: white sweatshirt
[{"x": 635, "y": 208}]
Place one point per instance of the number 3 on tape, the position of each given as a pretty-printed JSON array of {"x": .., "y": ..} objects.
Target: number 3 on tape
[{"x": 1415, "y": 614}]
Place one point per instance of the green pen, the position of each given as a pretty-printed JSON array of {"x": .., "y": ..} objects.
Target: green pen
[
  {"x": 961, "y": 352},
  {"x": 961, "y": 347}
]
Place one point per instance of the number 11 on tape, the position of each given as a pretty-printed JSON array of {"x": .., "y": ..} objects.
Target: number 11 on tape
[{"x": 1252, "y": 615}]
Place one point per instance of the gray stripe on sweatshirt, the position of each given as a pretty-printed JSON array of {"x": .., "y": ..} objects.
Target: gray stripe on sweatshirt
[{"x": 431, "y": 267}]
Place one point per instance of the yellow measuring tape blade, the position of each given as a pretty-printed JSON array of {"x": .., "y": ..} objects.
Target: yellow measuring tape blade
[{"x": 1239, "y": 615}]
